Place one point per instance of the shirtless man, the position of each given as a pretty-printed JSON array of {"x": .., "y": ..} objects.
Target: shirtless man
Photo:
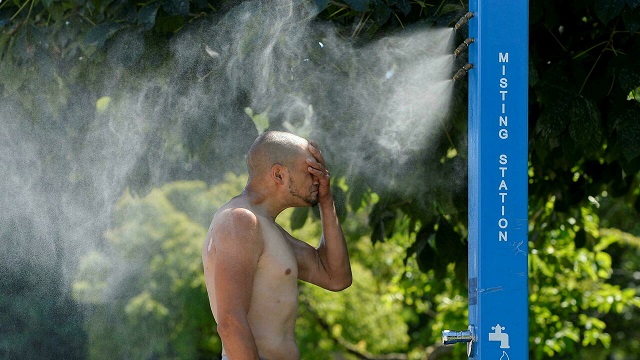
[{"x": 252, "y": 265}]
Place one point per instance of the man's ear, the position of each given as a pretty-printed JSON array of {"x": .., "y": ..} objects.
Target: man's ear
[{"x": 278, "y": 174}]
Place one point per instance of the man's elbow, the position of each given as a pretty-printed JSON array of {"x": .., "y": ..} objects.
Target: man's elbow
[
  {"x": 230, "y": 326},
  {"x": 342, "y": 283}
]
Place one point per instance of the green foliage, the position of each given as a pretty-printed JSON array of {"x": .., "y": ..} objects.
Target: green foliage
[
  {"x": 346, "y": 317},
  {"x": 570, "y": 286},
  {"x": 634, "y": 94},
  {"x": 150, "y": 276},
  {"x": 39, "y": 319},
  {"x": 584, "y": 149},
  {"x": 366, "y": 316},
  {"x": 159, "y": 302},
  {"x": 260, "y": 120}
]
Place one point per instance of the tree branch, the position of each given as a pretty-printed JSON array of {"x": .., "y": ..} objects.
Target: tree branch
[{"x": 349, "y": 347}]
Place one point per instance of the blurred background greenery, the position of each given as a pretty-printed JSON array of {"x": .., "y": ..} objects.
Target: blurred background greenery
[{"x": 124, "y": 126}]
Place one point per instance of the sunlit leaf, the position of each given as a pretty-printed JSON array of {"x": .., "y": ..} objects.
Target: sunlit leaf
[
  {"x": 634, "y": 94},
  {"x": 103, "y": 103},
  {"x": 261, "y": 121}
]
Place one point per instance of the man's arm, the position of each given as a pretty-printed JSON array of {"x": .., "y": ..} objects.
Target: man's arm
[
  {"x": 327, "y": 266},
  {"x": 237, "y": 250}
]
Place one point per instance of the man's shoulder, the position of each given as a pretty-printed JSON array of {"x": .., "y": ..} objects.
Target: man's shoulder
[
  {"x": 237, "y": 226},
  {"x": 233, "y": 215}
]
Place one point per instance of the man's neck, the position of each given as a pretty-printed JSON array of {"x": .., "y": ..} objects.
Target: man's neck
[{"x": 261, "y": 203}]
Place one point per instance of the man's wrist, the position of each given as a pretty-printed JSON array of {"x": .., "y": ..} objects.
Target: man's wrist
[{"x": 326, "y": 200}]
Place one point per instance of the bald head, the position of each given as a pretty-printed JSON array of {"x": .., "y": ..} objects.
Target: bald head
[{"x": 274, "y": 147}]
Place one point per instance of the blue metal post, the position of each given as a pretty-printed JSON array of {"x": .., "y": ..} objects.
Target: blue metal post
[{"x": 498, "y": 241}]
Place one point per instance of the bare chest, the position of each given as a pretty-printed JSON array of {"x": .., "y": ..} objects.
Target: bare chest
[
  {"x": 278, "y": 260},
  {"x": 274, "y": 301}
]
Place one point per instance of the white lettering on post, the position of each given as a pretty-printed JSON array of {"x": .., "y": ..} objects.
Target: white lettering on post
[{"x": 503, "y": 134}]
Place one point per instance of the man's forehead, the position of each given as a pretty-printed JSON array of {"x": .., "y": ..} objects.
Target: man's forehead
[{"x": 305, "y": 153}]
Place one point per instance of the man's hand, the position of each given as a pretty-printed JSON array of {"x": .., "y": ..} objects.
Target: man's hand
[
  {"x": 327, "y": 265},
  {"x": 318, "y": 170}
]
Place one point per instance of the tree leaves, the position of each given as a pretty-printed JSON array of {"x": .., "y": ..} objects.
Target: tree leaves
[
  {"x": 606, "y": 10},
  {"x": 629, "y": 77},
  {"x": 100, "y": 33},
  {"x": 437, "y": 245},
  {"x": 579, "y": 115},
  {"x": 260, "y": 120},
  {"x": 628, "y": 130},
  {"x": 553, "y": 120},
  {"x": 381, "y": 12},
  {"x": 176, "y": 7},
  {"x": 382, "y": 220},
  {"x": 358, "y": 5},
  {"x": 147, "y": 15},
  {"x": 321, "y": 4},
  {"x": 404, "y": 6},
  {"x": 584, "y": 123},
  {"x": 298, "y": 217},
  {"x": 632, "y": 18}
]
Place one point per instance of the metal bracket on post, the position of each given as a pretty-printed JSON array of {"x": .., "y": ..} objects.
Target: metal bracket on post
[{"x": 450, "y": 337}]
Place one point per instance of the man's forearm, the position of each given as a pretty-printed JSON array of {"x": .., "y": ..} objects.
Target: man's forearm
[
  {"x": 333, "y": 247},
  {"x": 240, "y": 348},
  {"x": 238, "y": 341}
]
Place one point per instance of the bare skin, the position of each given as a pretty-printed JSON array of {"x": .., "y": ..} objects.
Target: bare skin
[{"x": 252, "y": 265}]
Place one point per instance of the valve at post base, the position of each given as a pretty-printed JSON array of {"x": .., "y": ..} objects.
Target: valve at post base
[{"x": 453, "y": 337}]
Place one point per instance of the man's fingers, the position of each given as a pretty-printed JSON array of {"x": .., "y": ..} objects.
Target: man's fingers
[
  {"x": 315, "y": 151},
  {"x": 316, "y": 165},
  {"x": 319, "y": 171}
]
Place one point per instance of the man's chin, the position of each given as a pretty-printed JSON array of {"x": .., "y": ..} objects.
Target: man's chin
[{"x": 311, "y": 201}]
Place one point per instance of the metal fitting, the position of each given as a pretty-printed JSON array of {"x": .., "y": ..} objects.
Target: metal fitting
[
  {"x": 462, "y": 72},
  {"x": 467, "y": 336},
  {"x": 463, "y": 20},
  {"x": 465, "y": 44}
]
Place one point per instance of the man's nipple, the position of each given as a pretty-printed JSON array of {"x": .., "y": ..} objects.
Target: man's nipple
[{"x": 287, "y": 272}]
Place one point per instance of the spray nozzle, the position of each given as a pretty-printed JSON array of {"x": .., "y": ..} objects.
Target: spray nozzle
[
  {"x": 465, "y": 44},
  {"x": 462, "y": 72},
  {"x": 463, "y": 20}
]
